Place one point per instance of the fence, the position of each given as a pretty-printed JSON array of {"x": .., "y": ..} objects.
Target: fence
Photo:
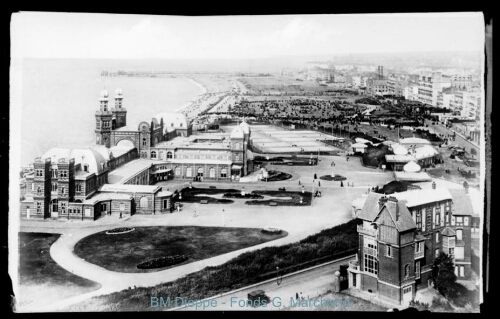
[{"x": 310, "y": 263}]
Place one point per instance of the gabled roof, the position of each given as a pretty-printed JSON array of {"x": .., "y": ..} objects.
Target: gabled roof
[
  {"x": 370, "y": 209},
  {"x": 399, "y": 214},
  {"x": 448, "y": 232}
]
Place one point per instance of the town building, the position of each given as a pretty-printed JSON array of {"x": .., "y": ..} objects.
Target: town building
[
  {"x": 401, "y": 235},
  {"x": 429, "y": 85},
  {"x": 73, "y": 183}
]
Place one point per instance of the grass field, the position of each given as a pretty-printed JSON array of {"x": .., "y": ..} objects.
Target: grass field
[
  {"x": 124, "y": 252},
  {"x": 41, "y": 279}
]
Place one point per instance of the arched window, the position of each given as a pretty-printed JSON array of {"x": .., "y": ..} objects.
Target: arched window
[
  {"x": 407, "y": 270},
  {"x": 54, "y": 187},
  {"x": 223, "y": 172},
  {"x": 62, "y": 190},
  {"x": 39, "y": 190},
  {"x": 78, "y": 187},
  {"x": 177, "y": 171},
  {"x": 144, "y": 142},
  {"x": 200, "y": 171},
  {"x": 212, "y": 172},
  {"x": 54, "y": 205},
  {"x": 144, "y": 202},
  {"x": 153, "y": 154},
  {"x": 189, "y": 172},
  {"x": 170, "y": 155}
]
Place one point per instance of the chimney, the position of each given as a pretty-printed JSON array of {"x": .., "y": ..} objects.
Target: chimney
[
  {"x": 381, "y": 202},
  {"x": 466, "y": 187}
]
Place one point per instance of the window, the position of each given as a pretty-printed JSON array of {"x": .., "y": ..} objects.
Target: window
[
  {"x": 189, "y": 172},
  {"x": 181, "y": 125},
  {"x": 39, "y": 207},
  {"x": 200, "y": 172},
  {"x": 63, "y": 174},
  {"x": 212, "y": 172},
  {"x": 419, "y": 247},
  {"x": 153, "y": 154},
  {"x": 223, "y": 172},
  {"x": 388, "y": 251},
  {"x": 63, "y": 208},
  {"x": 459, "y": 234},
  {"x": 436, "y": 254},
  {"x": 419, "y": 220},
  {"x": 407, "y": 271},
  {"x": 54, "y": 173},
  {"x": 417, "y": 269},
  {"x": 171, "y": 124},
  {"x": 437, "y": 237},
  {"x": 447, "y": 218},
  {"x": 177, "y": 171},
  {"x": 459, "y": 221},
  {"x": 451, "y": 251},
  {"x": 62, "y": 190},
  {"x": 39, "y": 190},
  {"x": 165, "y": 201},
  {"x": 169, "y": 155},
  {"x": 237, "y": 146},
  {"x": 144, "y": 142},
  {"x": 438, "y": 220},
  {"x": 85, "y": 168},
  {"x": 54, "y": 187},
  {"x": 371, "y": 264},
  {"x": 144, "y": 202},
  {"x": 78, "y": 187}
]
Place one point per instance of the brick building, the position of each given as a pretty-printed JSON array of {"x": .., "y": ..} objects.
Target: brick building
[{"x": 400, "y": 235}]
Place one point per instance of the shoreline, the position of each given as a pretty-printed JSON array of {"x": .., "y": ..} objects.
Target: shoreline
[{"x": 198, "y": 97}]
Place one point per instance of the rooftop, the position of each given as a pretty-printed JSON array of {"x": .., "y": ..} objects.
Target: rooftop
[
  {"x": 109, "y": 188},
  {"x": 107, "y": 196},
  {"x": 123, "y": 173}
]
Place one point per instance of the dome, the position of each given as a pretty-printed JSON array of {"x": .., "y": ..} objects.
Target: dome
[
  {"x": 245, "y": 127},
  {"x": 89, "y": 156},
  {"x": 237, "y": 132},
  {"x": 104, "y": 94},
  {"x": 411, "y": 167},
  {"x": 118, "y": 92},
  {"x": 399, "y": 150}
]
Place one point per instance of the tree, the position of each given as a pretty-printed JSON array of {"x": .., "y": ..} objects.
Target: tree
[{"x": 443, "y": 273}]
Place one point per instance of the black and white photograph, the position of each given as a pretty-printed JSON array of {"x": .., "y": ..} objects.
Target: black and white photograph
[{"x": 282, "y": 162}]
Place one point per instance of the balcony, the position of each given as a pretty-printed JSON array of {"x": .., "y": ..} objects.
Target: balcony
[
  {"x": 419, "y": 254},
  {"x": 367, "y": 231},
  {"x": 354, "y": 265}
]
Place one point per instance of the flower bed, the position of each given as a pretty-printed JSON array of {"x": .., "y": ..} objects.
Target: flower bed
[
  {"x": 271, "y": 231},
  {"x": 275, "y": 176},
  {"x": 121, "y": 230},
  {"x": 334, "y": 178},
  {"x": 162, "y": 262},
  {"x": 238, "y": 195}
]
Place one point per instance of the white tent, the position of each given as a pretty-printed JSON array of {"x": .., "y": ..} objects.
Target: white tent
[{"x": 411, "y": 167}]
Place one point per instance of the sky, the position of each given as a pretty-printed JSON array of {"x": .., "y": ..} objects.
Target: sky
[{"x": 91, "y": 35}]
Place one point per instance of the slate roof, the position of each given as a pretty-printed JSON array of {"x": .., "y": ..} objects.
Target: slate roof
[
  {"x": 461, "y": 203},
  {"x": 403, "y": 221}
]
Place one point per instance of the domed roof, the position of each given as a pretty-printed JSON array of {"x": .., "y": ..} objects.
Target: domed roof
[
  {"x": 89, "y": 156},
  {"x": 411, "y": 167},
  {"x": 237, "y": 132},
  {"x": 104, "y": 94},
  {"x": 118, "y": 92},
  {"x": 399, "y": 150},
  {"x": 246, "y": 127}
]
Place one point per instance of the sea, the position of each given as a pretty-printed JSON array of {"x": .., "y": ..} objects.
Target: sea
[{"x": 59, "y": 98}]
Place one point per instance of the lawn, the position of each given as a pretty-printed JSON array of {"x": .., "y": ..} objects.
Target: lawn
[
  {"x": 195, "y": 195},
  {"x": 41, "y": 279},
  {"x": 122, "y": 253},
  {"x": 246, "y": 269}
]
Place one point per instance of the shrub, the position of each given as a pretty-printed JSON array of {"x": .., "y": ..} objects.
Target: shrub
[
  {"x": 271, "y": 231},
  {"x": 120, "y": 230},
  {"x": 420, "y": 306},
  {"x": 162, "y": 262}
]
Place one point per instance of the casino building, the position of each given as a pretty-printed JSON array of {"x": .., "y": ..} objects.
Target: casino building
[{"x": 75, "y": 183}]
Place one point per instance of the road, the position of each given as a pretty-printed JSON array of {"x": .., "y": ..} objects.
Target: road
[
  {"x": 459, "y": 140},
  {"x": 308, "y": 284}
]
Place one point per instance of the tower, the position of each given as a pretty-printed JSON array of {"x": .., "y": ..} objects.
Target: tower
[
  {"x": 103, "y": 121},
  {"x": 41, "y": 193},
  {"x": 119, "y": 113},
  {"x": 238, "y": 151}
]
